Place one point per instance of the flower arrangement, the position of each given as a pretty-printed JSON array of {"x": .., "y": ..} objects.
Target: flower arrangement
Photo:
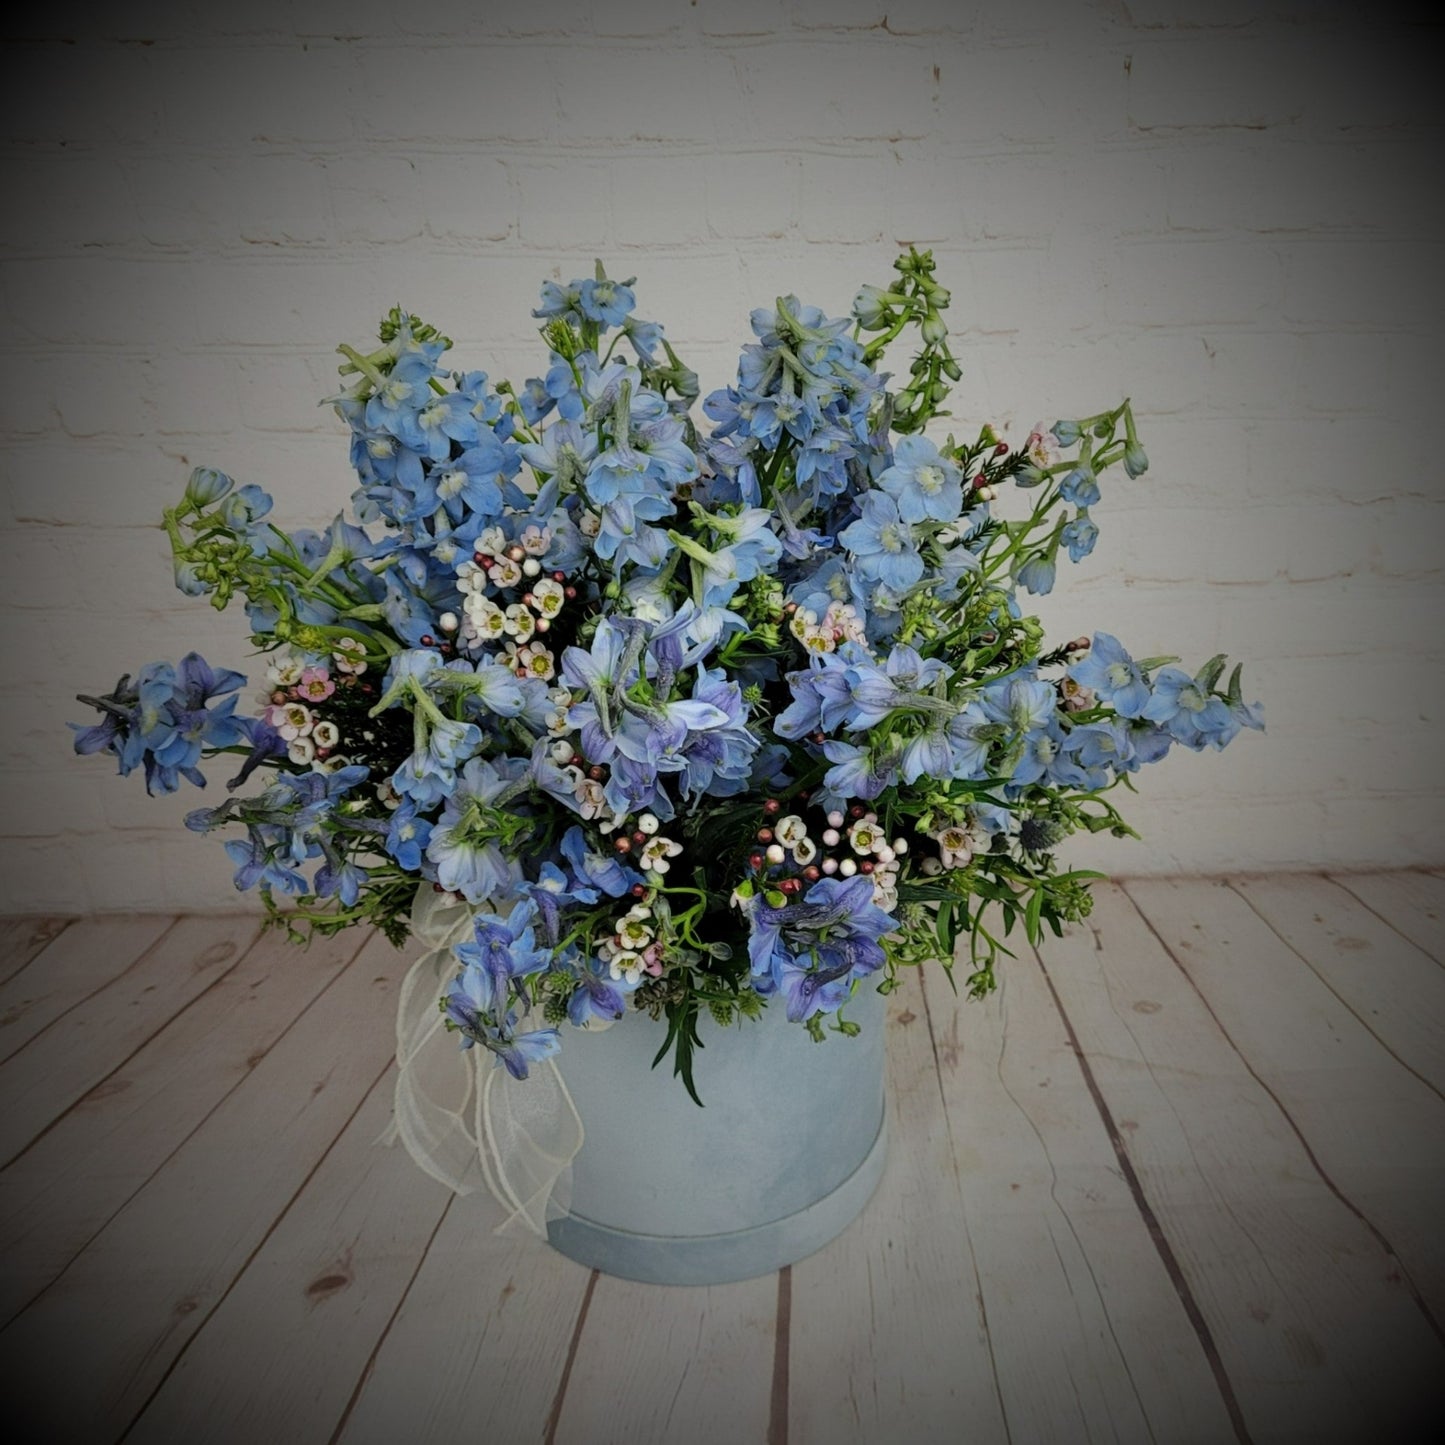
[{"x": 693, "y": 719}]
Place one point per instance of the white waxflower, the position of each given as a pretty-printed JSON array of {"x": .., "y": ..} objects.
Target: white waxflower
[
  {"x": 930, "y": 866},
  {"x": 843, "y": 622},
  {"x": 285, "y": 671},
  {"x": 388, "y": 796},
  {"x": 803, "y": 620},
  {"x": 591, "y": 800},
  {"x": 562, "y": 752},
  {"x": 955, "y": 847},
  {"x": 804, "y": 851},
  {"x": 491, "y": 542},
  {"x": 485, "y": 621},
  {"x": 790, "y": 830},
  {"x": 657, "y": 851},
  {"x": 301, "y": 750},
  {"x": 627, "y": 966},
  {"x": 634, "y": 932},
  {"x": 471, "y": 579},
  {"x": 535, "y": 540},
  {"x": 325, "y": 735},
  {"x": 865, "y": 836},
  {"x": 504, "y": 572},
  {"x": 819, "y": 639},
  {"x": 519, "y": 623},
  {"x": 349, "y": 655},
  {"x": 548, "y": 597},
  {"x": 537, "y": 661},
  {"x": 332, "y": 764},
  {"x": 648, "y": 824},
  {"x": 296, "y": 721},
  {"x": 589, "y": 524}
]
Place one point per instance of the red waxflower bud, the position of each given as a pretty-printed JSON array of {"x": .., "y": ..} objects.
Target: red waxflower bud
[
  {"x": 790, "y": 885},
  {"x": 765, "y": 835},
  {"x": 812, "y": 873},
  {"x": 856, "y": 811},
  {"x": 623, "y": 844},
  {"x": 638, "y": 891},
  {"x": 866, "y": 866},
  {"x": 596, "y": 772},
  {"x": 755, "y": 860},
  {"x": 639, "y": 837},
  {"x": 771, "y": 806}
]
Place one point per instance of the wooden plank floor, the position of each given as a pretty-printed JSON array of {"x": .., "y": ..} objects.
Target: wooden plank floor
[{"x": 1181, "y": 1180}]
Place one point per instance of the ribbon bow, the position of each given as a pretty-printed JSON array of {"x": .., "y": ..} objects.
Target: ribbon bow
[{"x": 465, "y": 1121}]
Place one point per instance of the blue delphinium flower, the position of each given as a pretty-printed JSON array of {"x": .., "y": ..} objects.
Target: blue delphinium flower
[
  {"x": 1021, "y": 703},
  {"x": 407, "y": 836},
  {"x": 501, "y": 951},
  {"x": 831, "y": 934},
  {"x": 1080, "y": 486},
  {"x": 602, "y": 870},
  {"x": 922, "y": 482},
  {"x": 464, "y": 1006},
  {"x": 1036, "y": 573},
  {"x": 1079, "y": 536},
  {"x": 1193, "y": 716},
  {"x": 883, "y": 544},
  {"x": 165, "y": 719},
  {"x": 463, "y": 846},
  {"x": 1114, "y": 677}
]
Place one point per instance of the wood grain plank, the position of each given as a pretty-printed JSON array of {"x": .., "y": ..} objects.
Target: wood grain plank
[
  {"x": 889, "y": 1339},
  {"x": 282, "y": 1353},
  {"x": 127, "y": 1305},
  {"x": 1372, "y": 1128},
  {"x": 22, "y": 939},
  {"x": 83, "y": 959},
  {"x": 61, "y": 1192},
  {"x": 41, "y": 1081},
  {"x": 1317, "y": 1334},
  {"x": 481, "y": 1342},
  {"x": 1393, "y": 988},
  {"x": 673, "y": 1363},
  {"x": 1091, "y": 1337},
  {"x": 1412, "y": 903}
]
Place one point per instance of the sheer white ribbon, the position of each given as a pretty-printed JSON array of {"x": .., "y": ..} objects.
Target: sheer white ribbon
[{"x": 465, "y": 1120}]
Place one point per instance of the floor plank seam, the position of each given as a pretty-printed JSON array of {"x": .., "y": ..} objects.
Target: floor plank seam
[
  {"x": 371, "y": 1359},
  {"x": 250, "y": 1258},
  {"x": 1342, "y": 884},
  {"x": 1152, "y": 1225},
  {"x": 160, "y": 1028},
  {"x": 972, "y": 1255},
  {"x": 554, "y": 1415},
  {"x": 139, "y": 959},
  {"x": 782, "y": 1345},
  {"x": 1405, "y": 1276},
  {"x": 182, "y": 1141},
  {"x": 1343, "y": 1001},
  {"x": 40, "y": 923}
]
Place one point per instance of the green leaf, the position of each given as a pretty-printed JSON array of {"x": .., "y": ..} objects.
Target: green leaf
[{"x": 1031, "y": 916}]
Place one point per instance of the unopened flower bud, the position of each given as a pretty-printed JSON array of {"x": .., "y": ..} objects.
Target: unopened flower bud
[{"x": 207, "y": 485}]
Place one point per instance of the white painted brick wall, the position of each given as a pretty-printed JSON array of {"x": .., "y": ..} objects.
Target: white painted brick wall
[{"x": 1225, "y": 211}]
